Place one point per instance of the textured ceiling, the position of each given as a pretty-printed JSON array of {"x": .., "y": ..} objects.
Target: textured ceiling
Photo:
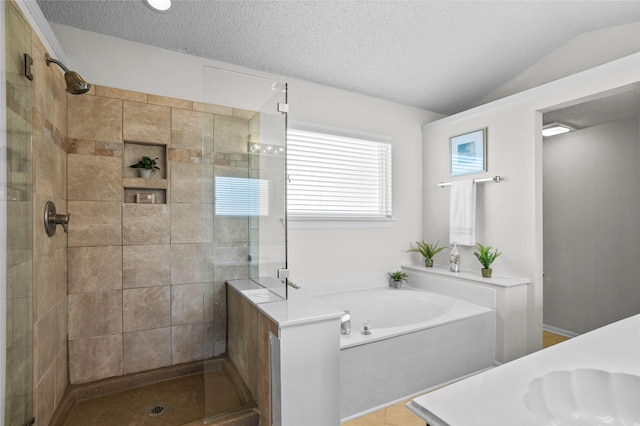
[
  {"x": 443, "y": 56},
  {"x": 616, "y": 106}
]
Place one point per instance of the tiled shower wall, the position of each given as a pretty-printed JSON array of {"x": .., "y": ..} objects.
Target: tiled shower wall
[
  {"x": 146, "y": 282},
  {"x": 36, "y": 110}
]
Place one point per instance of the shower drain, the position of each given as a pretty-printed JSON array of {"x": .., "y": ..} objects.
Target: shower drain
[{"x": 157, "y": 410}]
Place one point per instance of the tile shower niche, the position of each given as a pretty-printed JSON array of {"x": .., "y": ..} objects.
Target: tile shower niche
[{"x": 137, "y": 188}]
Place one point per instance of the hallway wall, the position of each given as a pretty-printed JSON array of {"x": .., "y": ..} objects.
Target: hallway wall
[{"x": 592, "y": 226}]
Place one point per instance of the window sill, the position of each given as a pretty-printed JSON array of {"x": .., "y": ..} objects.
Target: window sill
[{"x": 338, "y": 223}]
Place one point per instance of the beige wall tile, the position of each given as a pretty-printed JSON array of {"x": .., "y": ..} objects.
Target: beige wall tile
[
  {"x": 95, "y": 314},
  {"x": 219, "y": 311},
  {"x": 230, "y": 261},
  {"x": 186, "y": 343},
  {"x": 213, "y": 109},
  {"x": 146, "y": 266},
  {"x": 95, "y": 223},
  {"x": 50, "y": 166},
  {"x": 243, "y": 337},
  {"x": 62, "y": 373},
  {"x": 46, "y": 346},
  {"x": 146, "y": 308},
  {"x": 186, "y": 223},
  {"x": 111, "y": 92},
  {"x": 60, "y": 108},
  {"x": 45, "y": 397},
  {"x": 186, "y": 182},
  {"x": 228, "y": 229},
  {"x": 146, "y": 123},
  {"x": 95, "y": 358},
  {"x": 95, "y": 269},
  {"x": 190, "y": 128},
  {"x": 208, "y": 301},
  {"x": 244, "y": 113},
  {"x": 231, "y": 134},
  {"x": 92, "y": 178},
  {"x": 146, "y": 350},
  {"x": 50, "y": 282},
  {"x": 95, "y": 118},
  {"x": 187, "y": 264},
  {"x": 181, "y": 103},
  {"x": 187, "y": 303},
  {"x": 43, "y": 86},
  {"x": 158, "y": 100},
  {"x": 209, "y": 343},
  {"x": 145, "y": 224}
]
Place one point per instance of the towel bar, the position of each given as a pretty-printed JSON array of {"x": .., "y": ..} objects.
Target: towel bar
[{"x": 495, "y": 179}]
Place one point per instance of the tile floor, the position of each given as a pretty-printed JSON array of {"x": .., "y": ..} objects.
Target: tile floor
[{"x": 399, "y": 415}]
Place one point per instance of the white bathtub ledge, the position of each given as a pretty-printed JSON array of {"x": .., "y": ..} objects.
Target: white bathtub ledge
[
  {"x": 473, "y": 276},
  {"x": 298, "y": 309}
]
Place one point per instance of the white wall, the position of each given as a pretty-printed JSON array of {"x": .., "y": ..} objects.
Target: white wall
[
  {"x": 592, "y": 226},
  {"x": 509, "y": 214},
  {"x": 314, "y": 255}
]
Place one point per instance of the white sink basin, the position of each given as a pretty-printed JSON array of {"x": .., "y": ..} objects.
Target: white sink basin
[{"x": 585, "y": 397}]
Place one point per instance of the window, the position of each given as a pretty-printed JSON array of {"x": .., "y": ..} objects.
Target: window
[{"x": 333, "y": 176}]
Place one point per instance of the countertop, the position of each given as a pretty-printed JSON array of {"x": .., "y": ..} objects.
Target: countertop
[
  {"x": 286, "y": 313},
  {"x": 495, "y": 397}
]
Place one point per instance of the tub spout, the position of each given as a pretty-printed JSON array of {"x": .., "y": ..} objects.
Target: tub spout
[
  {"x": 345, "y": 323},
  {"x": 366, "y": 328}
]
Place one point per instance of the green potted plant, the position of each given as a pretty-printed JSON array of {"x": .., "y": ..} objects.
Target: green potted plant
[
  {"x": 396, "y": 278},
  {"x": 428, "y": 251},
  {"x": 486, "y": 257},
  {"x": 145, "y": 166}
]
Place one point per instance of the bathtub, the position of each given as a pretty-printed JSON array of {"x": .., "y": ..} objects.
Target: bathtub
[{"x": 419, "y": 340}]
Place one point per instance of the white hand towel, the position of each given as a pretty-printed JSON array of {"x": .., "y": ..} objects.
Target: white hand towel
[{"x": 462, "y": 214}]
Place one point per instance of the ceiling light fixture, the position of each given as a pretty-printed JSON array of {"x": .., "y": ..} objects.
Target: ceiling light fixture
[
  {"x": 159, "y": 6},
  {"x": 555, "y": 129}
]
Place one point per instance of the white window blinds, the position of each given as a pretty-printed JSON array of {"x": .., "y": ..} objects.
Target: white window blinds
[
  {"x": 241, "y": 196},
  {"x": 332, "y": 176}
]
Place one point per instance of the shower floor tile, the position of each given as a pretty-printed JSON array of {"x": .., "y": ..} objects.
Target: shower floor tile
[{"x": 175, "y": 402}]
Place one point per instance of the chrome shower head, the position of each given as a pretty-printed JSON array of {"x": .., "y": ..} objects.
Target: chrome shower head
[{"x": 76, "y": 85}]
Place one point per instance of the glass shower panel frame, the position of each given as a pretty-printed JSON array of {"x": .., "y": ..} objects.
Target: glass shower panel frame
[
  {"x": 267, "y": 164},
  {"x": 17, "y": 203},
  {"x": 254, "y": 178}
]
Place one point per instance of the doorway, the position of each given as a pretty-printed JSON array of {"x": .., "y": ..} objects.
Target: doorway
[{"x": 591, "y": 213}]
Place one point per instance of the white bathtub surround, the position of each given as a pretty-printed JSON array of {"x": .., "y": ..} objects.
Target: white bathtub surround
[
  {"x": 508, "y": 295},
  {"x": 496, "y": 397},
  {"x": 419, "y": 340},
  {"x": 304, "y": 356}
]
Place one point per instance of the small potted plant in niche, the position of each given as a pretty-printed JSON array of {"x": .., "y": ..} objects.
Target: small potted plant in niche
[
  {"x": 486, "y": 257},
  {"x": 397, "y": 278},
  {"x": 145, "y": 166},
  {"x": 428, "y": 251}
]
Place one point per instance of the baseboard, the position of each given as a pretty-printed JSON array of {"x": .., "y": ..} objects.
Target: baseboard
[{"x": 560, "y": 331}]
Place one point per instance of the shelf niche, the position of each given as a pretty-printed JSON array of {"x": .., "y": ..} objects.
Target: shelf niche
[{"x": 157, "y": 184}]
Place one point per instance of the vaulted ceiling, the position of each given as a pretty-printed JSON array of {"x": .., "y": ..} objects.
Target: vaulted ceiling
[{"x": 443, "y": 56}]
